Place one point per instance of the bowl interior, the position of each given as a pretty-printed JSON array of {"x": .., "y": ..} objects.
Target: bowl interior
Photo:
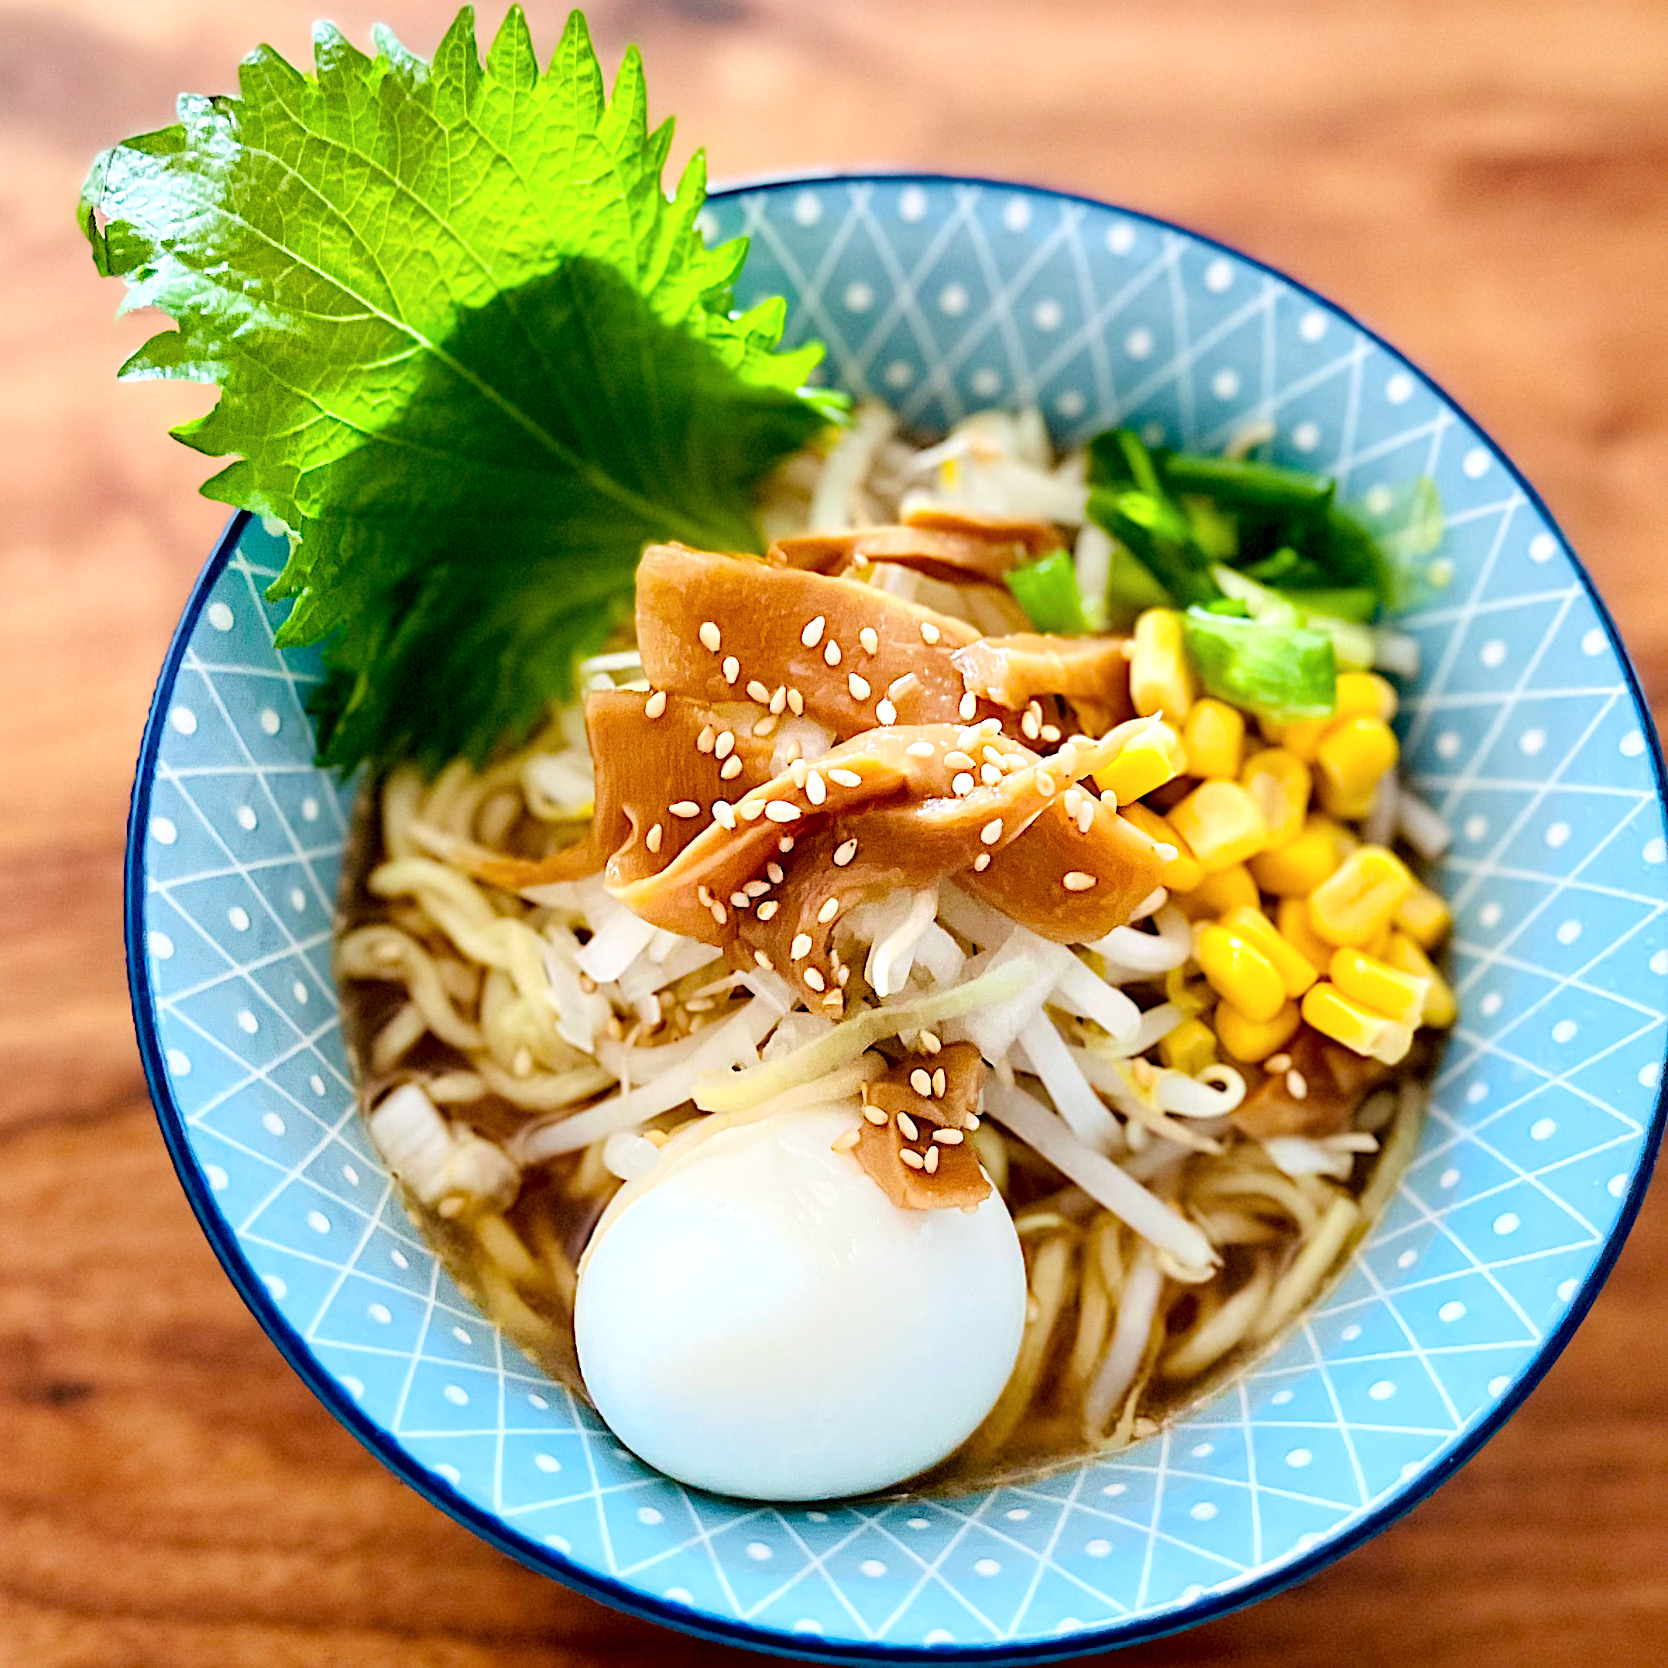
[{"x": 1524, "y": 729}]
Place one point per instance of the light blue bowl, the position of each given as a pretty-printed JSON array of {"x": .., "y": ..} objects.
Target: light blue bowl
[{"x": 1526, "y": 729}]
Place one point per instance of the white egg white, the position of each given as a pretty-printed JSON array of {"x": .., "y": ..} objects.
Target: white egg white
[{"x": 762, "y": 1321}]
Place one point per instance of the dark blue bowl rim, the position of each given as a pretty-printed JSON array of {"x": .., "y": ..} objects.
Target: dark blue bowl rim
[{"x": 630, "y": 1599}]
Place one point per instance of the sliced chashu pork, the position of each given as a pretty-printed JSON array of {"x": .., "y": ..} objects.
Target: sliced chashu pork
[
  {"x": 913, "y": 1140},
  {"x": 1015, "y": 670},
  {"x": 943, "y": 544}
]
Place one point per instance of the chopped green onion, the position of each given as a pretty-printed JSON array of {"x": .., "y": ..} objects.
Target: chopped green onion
[
  {"x": 1046, "y": 589},
  {"x": 1240, "y": 484},
  {"x": 1156, "y": 534},
  {"x": 1345, "y": 602},
  {"x": 1281, "y": 671}
]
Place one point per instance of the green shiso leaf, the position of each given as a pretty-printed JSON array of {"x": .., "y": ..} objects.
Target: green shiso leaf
[{"x": 469, "y": 353}]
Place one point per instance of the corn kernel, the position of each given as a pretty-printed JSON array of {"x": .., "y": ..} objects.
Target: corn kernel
[
  {"x": 1424, "y": 916},
  {"x": 1296, "y": 971},
  {"x": 1353, "y": 754},
  {"x": 1218, "y": 893},
  {"x": 1295, "y": 869},
  {"x": 1192, "y": 996},
  {"x": 1441, "y": 1010},
  {"x": 1189, "y": 1048},
  {"x": 1344, "y": 1020},
  {"x": 1360, "y": 898},
  {"x": 1365, "y": 694},
  {"x": 1279, "y": 782},
  {"x": 1377, "y": 985},
  {"x": 1214, "y": 736},
  {"x": 1292, "y": 918},
  {"x": 1180, "y": 873},
  {"x": 1240, "y": 973},
  {"x": 1221, "y": 824},
  {"x": 1254, "y": 1039},
  {"x": 1148, "y": 761},
  {"x": 1159, "y": 678},
  {"x": 1300, "y": 738}
]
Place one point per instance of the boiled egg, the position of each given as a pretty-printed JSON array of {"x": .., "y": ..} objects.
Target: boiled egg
[{"x": 758, "y": 1319}]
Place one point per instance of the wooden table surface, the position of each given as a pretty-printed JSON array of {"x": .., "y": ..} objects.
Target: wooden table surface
[{"x": 1486, "y": 181}]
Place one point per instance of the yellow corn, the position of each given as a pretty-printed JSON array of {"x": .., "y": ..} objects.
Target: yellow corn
[
  {"x": 1424, "y": 916},
  {"x": 1190, "y": 1047},
  {"x": 1254, "y": 1039},
  {"x": 1147, "y": 762},
  {"x": 1180, "y": 873},
  {"x": 1296, "y": 971},
  {"x": 1279, "y": 782},
  {"x": 1300, "y": 737},
  {"x": 1159, "y": 678},
  {"x": 1221, "y": 824},
  {"x": 1359, "y": 899},
  {"x": 1366, "y": 693},
  {"x": 1441, "y": 1009},
  {"x": 1218, "y": 893},
  {"x": 1295, "y": 869},
  {"x": 1292, "y": 918},
  {"x": 1353, "y": 754},
  {"x": 1240, "y": 973},
  {"x": 1344, "y": 1020},
  {"x": 1192, "y": 996},
  {"x": 1213, "y": 735},
  {"x": 1377, "y": 985}
]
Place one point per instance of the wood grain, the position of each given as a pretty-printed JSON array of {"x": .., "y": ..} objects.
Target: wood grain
[{"x": 1486, "y": 181}]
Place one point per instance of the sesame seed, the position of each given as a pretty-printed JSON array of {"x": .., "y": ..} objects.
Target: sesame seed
[
  {"x": 1030, "y": 726},
  {"x": 844, "y": 854},
  {"x": 913, "y": 1159},
  {"x": 767, "y": 910},
  {"x": 919, "y": 750},
  {"x": 829, "y": 910},
  {"x": 831, "y": 654},
  {"x": 710, "y": 637},
  {"x": 1086, "y": 814},
  {"x": 870, "y": 640},
  {"x": 841, "y": 974},
  {"x": 939, "y": 1083},
  {"x": 815, "y": 791},
  {"x": 796, "y": 703},
  {"x": 779, "y": 810},
  {"x": 751, "y": 809},
  {"x": 1051, "y": 733},
  {"x": 835, "y": 1002},
  {"x": 812, "y": 634},
  {"x": 1044, "y": 784},
  {"x": 756, "y": 888},
  {"x": 725, "y": 745},
  {"x": 762, "y": 959},
  {"x": 1278, "y": 1063},
  {"x": 740, "y": 900},
  {"x": 814, "y": 979},
  {"x": 886, "y": 712},
  {"x": 972, "y": 1120},
  {"x": 875, "y": 1116},
  {"x": 958, "y": 761},
  {"x": 703, "y": 896},
  {"x": 961, "y": 784},
  {"x": 655, "y": 705},
  {"x": 773, "y": 873},
  {"x": 908, "y": 1126},
  {"x": 766, "y": 726},
  {"x": 685, "y": 808},
  {"x": 929, "y": 632},
  {"x": 800, "y": 948},
  {"x": 798, "y": 770},
  {"x": 948, "y": 1137},
  {"x": 1297, "y": 1085},
  {"x": 1077, "y": 881},
  {"x": 846, "y": 778},
  {"x": 988, "y": 727},
  {"x": 968, "y": 706},
  {"x": 785, "y": 844},
  {"x": 929, "y": 1041},
  {"x": 1165, "y": 852},
  {"x": 724, "y": 814},
  {"x": 989, "y": 775},
  {"x": 756, "y": 691},
  {"x": 779, "y": 699},
  {"x": 732, "y": 668},
  {"x": 991, "y": 755},
  {"x": 656, "y": 834},
  {"x": 705, "y": 740},
  {"x": 931, "y": 1164},
  {"x": 731, "y": 770},
  {"x": 844, "y": 1141},
  {"x": 921, "y": 1082},
  {"x": 991, "y": 832},
  {"x": 981, "y": 862},
  {"x": 720, "y": 914}
]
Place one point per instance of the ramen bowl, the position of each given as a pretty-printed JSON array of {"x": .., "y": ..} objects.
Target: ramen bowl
[{"x": 1525, "y": 728}]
